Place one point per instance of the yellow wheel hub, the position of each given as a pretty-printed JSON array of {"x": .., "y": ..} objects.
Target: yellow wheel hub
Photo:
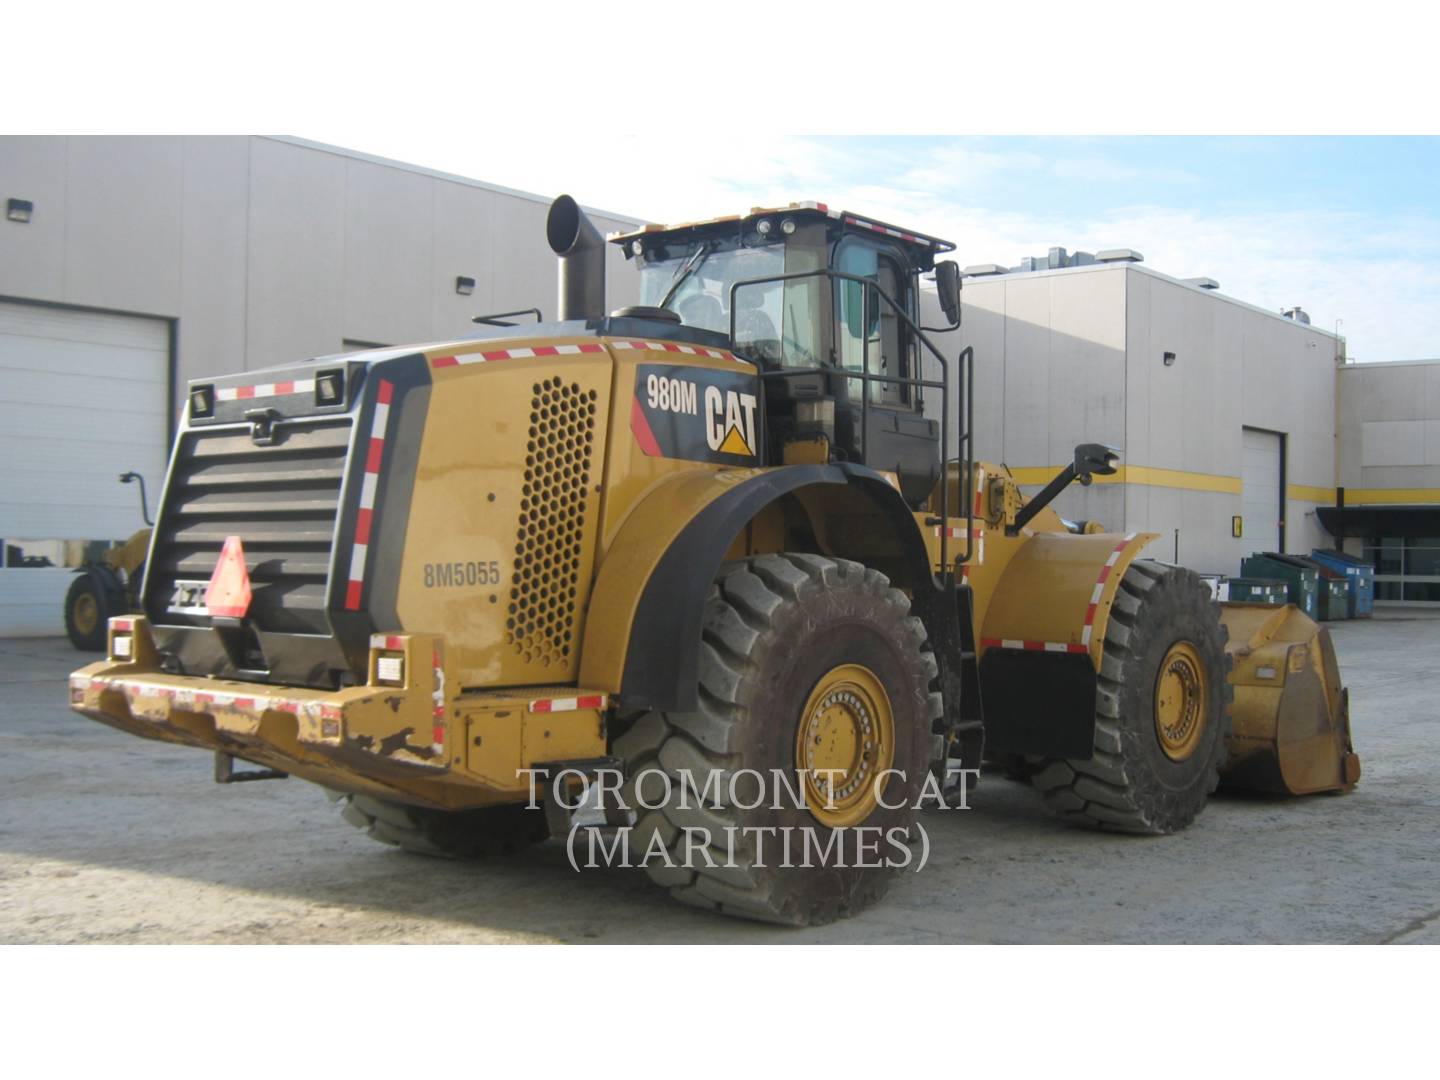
[
  {"x": 1181, "y": 697},
  {"x": 844, "y": 741},
  {"x": 86, "y": 614}
]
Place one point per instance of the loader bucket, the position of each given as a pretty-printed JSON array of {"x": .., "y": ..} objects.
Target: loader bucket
[{"x": 1290, "y": 726}]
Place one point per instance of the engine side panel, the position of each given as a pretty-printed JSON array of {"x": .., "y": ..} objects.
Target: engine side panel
[{"x": 499, "y": 547}]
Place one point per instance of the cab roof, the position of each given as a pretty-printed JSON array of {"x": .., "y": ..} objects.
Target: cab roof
[{"x": 929, "y": 244}]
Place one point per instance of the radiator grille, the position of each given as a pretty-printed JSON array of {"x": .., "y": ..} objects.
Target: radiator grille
[
  {"x": 541, "y": 622},
  {"x": 280, "y": 500}
]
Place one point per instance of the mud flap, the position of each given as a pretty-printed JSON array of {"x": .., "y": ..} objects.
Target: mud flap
[{"x": 1038, "y": 702}]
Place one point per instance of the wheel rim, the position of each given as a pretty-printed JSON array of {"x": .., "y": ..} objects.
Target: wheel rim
[
  {"x": 86, "y": 614},
  {"x": 1181, "y": 695},
  {"x": 844, "y": 740}
]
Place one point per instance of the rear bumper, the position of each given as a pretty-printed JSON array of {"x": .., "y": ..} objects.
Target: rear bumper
[
  {"x": 416, "y": 738},
  {"x": 363, "y": 738}
]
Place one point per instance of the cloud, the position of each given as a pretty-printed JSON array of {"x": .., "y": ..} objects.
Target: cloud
[{"x": 1381, "y": 275}]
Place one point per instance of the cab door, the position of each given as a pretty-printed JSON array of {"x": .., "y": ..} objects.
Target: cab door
[{"x": 895, "y": 436}]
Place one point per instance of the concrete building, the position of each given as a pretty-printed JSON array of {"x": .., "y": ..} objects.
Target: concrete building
[
  {"x": 131, "y": 265},
  {"x": 1224, "y": 412},
  {"x": 1388, "y": 504}
]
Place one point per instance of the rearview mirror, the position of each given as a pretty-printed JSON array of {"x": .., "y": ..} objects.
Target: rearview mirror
[{"x": 947, "y": 284}]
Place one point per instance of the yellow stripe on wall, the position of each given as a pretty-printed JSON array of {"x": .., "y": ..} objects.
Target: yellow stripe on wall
[
  {"x": 1376, "y": 496},
  {"x": 1306, "y": 493},
  {"x": 1143, "y": 475}
]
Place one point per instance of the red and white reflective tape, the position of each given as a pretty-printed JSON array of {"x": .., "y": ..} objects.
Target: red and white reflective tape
[
  {"x": 1033, "y": 646},
  {"x": 977, "y": 554},
  {"x": 670, "y": 346},
  {"x": 515, "y": 354},
  {"x": 141, "y": 690},
  {"x": 887, "y": 231},
  {"x": 570, "y": 704},
  {"x": 437, "y": 730},
  {"x": 388, "y": 642},
  {"x": 224, "y": 701},
  {"x": 572, "y": 350},
  {"x": 1099, "y": 589},
  {"x": 980, "y": 493},
  {"x": 365, "y": 518},
  {"x": 269, "y": 389}
]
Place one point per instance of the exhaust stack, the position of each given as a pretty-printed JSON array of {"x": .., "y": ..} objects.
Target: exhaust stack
[{"x": 574, "y": 238}]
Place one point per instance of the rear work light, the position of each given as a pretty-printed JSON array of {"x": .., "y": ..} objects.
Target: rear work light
[
  {"x": 330, "y": 387},
  {"x": 202, "y": 402},
  {"x": 390, "y": 670},
  {"x": 388, "y": 651},
  {"x": 122, "y": 648}
]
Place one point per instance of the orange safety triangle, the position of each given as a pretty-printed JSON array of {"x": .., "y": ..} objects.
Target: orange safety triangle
[{"x": 228, "y": 594}]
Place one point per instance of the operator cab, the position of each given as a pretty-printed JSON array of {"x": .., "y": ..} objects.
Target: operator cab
[{"x": 827, "y": 304}]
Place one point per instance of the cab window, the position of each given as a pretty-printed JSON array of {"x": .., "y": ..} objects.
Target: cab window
[{"x": 867, "y": 323}]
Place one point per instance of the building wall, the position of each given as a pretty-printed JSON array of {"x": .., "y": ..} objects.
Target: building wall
[
  {"x": 246, "y": 252},
  {"x": 269, "y": 251},
  {"x": 1235, "y": 367},
  {"x": 1076, "y": 355},
  {"x": 1049, "y": 372},
  {"x": 1390, "y": 457},
  {"x": 1390, "y": 432}
]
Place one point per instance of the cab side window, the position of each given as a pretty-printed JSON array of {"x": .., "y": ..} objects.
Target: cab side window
[{"x": 868, "y": 324}]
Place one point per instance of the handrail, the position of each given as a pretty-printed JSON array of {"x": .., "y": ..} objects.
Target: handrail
[{"x": 865, "y": 376}]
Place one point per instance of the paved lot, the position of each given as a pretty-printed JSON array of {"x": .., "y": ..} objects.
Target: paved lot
[{"x": 105, "y": 837}]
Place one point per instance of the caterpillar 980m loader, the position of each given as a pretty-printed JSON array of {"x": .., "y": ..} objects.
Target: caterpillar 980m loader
[{"x": 714, "y": 534}]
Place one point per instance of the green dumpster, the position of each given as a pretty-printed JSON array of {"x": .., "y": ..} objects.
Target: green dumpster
[
  {"x": 1244, "y": 590},
  {"x": 1332, "y": 601},
  {"x": 1302, "y": 582}
]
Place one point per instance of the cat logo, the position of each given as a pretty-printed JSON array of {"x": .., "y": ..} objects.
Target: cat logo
[
  {"x": 696, "y": 414},
  {"x": 730, "y": 421}
]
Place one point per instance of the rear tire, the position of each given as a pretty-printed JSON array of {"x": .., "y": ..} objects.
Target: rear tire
[
  {"x": 88, "y": 607},
  {"x": 785, "y": 639},
  {"x": 1162, "y": 710},
  {"x": 452, "y": 834}
]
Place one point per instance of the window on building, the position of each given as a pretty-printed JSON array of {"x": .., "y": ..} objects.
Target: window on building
[{"x": 1407, "y": 568}]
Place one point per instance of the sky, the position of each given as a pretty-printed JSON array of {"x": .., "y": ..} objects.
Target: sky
[{"x": 1346, "y": 227}]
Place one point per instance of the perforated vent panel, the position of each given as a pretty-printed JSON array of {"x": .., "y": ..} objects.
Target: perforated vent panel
[{"x": 541, "y": 622}]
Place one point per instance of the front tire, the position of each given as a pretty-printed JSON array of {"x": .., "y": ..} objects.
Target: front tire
[
  {"x": 1162, "y": 710},
  {"x": 88, "y": 607},
  {"x": 805, "y": 662}
]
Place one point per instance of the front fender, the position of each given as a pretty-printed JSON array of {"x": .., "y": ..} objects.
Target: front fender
[{"x": 1043, "y": 640}]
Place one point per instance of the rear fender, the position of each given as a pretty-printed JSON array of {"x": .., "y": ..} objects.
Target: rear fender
[{"x": 642, "y": 631}]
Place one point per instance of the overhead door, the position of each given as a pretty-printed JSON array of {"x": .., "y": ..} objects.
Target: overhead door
[
  {"x": 1262, "y": 481},
  {"x": 83, "y": 398}
]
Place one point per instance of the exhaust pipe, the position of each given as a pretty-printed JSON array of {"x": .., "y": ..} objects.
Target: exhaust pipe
[{"x": 574, "y": 238}]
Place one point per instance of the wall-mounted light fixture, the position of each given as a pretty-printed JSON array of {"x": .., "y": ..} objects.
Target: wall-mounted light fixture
[
  {"x": 1168, "y": 358},
  {"x": 19, "y": 210},
  {"x": 464, "y": 285}
]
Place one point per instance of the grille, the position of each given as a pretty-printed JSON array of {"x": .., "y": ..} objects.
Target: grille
[
  {"x": 541, "y": 622},
  {"x": 280, "y": 500}
]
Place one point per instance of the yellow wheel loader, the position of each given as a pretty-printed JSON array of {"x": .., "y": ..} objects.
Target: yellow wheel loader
[
  {"x": 710, "y": 547},
  {"x": 109, "y": 586}
]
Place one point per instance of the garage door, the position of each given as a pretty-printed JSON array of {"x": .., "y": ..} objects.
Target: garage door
[
  {"x": 1261, "y": 483},
  {"x": 83, "y": 400}
]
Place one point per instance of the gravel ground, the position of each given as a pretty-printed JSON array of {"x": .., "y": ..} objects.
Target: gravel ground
[{"x": 108, "y": 838}]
